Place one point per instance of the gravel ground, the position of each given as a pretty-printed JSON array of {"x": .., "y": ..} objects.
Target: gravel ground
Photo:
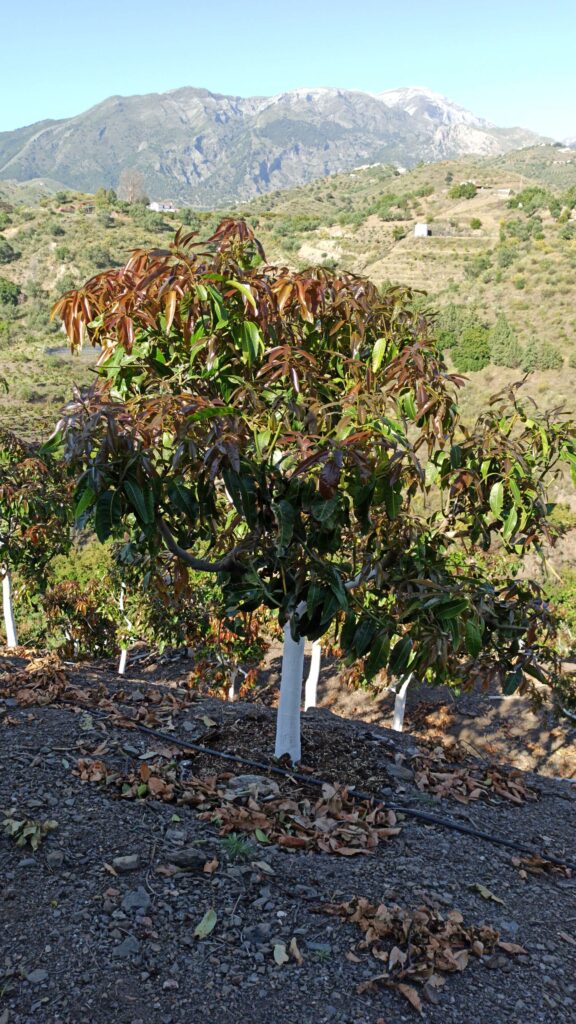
[{"x": 86, "y": 939}]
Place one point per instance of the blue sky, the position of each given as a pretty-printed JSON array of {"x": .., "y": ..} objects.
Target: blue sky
[{"x": 511, "y": 62}]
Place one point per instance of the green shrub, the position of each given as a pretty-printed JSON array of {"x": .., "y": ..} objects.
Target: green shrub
[
  {"x": 7, "y": 253},
  {"x": 473, "y": 350},
  {"x": 477, "y": 266},
  {"x": 475, "y": 224},
  {"x": 9, "y": 292},
  {"x": 532, "y": 199},
  {"x": 541, "y": 356},
  {"x": 451, "y": 323},
  {"x": 466, "y": 190},
  {"x": 504, "y": 347},
  {"x": 99, "y": 256},
  {"x": 505, "y": 256},
  {"x": 523, "y": 230}
]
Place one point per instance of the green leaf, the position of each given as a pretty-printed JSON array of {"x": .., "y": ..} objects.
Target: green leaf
[
  {"x": 496, "y": 499},
  {"x": 286, "y": 517},
  {"x": 455, "y": 456},
  {"x": 108, "y": 514},
  {"x": 183, "y": 499},
  {"x": 251, "y": 342},
  {"x": 245, "y": 291},
  {"x": 512, "y": 682},
  {"x": 378, "y": 656},
  {"x": 323, "y": 510},
  {"x": 142, "y": 501},
  {"x": 392, "y": 500},
  {"x": 378, "y": 353},
  {"x": 206, "y": 925},
  {"x": 363, "y": 637},
  {"x": 537, "y": 673},
  {"x": 451, "y": 608},
  {"x": 510, "y": 524},
  {"x": 86, "y": 499},
  {"x": 400, "y": 656},
  {"x": 261, "y": 836},
  {"x": 408, "y": 405},
  {"x": 473, "y": 635},
  {"x": 515, "y": 491},
  {"x": 210, "y": 412}
]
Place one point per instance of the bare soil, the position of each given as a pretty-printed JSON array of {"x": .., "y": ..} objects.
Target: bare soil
[{"x": 85, "y": 942}]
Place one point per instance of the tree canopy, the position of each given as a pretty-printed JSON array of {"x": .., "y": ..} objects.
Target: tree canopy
[{"x": 299, "y": 435}]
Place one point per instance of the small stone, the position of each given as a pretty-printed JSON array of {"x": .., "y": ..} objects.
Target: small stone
[
  {"x": 188, "y": 859},
  {"x": 27, "y": 862},
  {"x": 175, "y": 835},
  {"x": 398, "y": 771},
  {"x": 137, "y": 899},
  {"x": 170, "y": 985},
  {"x": 55, "y": 858},
  {"x": 510, "y": 928},
  {"x": 257, "y": 933},
  {"x": 129, "y": 947},
  {"x": 131, "y": 862},
  {"x": 37, "y": 976}
]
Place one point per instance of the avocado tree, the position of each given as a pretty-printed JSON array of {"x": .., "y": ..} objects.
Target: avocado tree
[
  {"x": 298, "y": 435},
  {"x": 34, "y": 518}
]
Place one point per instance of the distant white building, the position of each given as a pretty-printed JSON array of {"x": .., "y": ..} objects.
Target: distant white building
[
  {"x": 421, "y": 231},
  {"x": 167, "y": 206}
]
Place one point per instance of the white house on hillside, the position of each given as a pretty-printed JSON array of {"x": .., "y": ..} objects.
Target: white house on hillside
[
  {"x": 167, "y": 206},
  {"x": 421, "y": 231}
]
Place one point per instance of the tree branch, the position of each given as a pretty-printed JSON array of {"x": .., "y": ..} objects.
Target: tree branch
[{"x": 228, "y": 563}]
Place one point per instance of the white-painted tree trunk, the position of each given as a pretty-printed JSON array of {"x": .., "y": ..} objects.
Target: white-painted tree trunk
[
  {"x": 232, "y": 687},
  {"x": 311, "y": 688},
  {"x": 123, "y": 650},
  {"x": 288, "y": 718},
  {"x": 9, "y": 620},
  {"x": 400, "y": 702}
]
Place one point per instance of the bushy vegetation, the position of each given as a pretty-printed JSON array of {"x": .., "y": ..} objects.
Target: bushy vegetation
[
  {"x": 541, "y": 356},
  {"x": 466, "y": 190},
  {"x": 472, "y": 353},
  {"x": 504, "y": 347}
]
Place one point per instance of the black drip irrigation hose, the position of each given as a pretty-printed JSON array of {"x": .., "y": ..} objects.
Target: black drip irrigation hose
[{"x": 311, "y": 780}]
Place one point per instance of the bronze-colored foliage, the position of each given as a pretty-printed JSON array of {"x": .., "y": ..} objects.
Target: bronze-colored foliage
[{"x": 299, "y": 434}]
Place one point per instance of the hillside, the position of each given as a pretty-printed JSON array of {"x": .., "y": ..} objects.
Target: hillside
[
  {"x": 518, "y": 262},
  {"x": 482, "y": 253},
  {"x": 204, "y": 149}
]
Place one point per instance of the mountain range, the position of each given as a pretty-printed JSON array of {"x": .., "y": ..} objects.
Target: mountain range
[{"x": 203, "y": 149}]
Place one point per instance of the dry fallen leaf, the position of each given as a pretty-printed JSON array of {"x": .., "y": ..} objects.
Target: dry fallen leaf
[
  {"x": 295, "y": 952},
  {"x": 486, "y": 894},
  {"x": 513, "y": 948},
  {"x": 410, "y": 993}
]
